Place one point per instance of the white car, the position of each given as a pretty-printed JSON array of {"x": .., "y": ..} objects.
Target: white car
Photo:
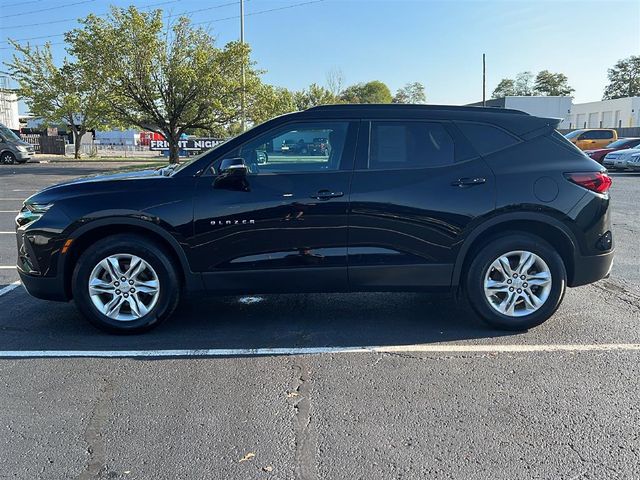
[
  {"x": 618, "y": 160},
  {"x": 633, "y": 162}
]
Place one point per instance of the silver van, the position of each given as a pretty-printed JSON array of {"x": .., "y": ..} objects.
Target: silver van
[{"x": 12, "y": 148}]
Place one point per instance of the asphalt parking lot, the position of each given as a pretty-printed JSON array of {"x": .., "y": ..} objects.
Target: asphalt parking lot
[{"x": 444, "y": 397}]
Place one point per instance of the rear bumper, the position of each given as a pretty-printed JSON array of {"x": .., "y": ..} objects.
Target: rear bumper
[
  {"x": 46, "y": 288},
  {"x": 589, "y": 269}
]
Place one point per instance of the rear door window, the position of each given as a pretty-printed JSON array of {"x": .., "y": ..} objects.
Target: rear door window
[
  {"x": 485, "y": 138},
  {"x": 409, "y": 144}
]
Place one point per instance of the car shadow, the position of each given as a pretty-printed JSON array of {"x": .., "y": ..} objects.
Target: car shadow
[{"x": 270, "y": 321}]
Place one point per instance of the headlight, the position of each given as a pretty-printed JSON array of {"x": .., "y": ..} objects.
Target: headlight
[{"x": 38, "y": 207}]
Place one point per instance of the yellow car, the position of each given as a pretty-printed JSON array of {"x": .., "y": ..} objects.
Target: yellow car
[{"x": 592, "y": 138}]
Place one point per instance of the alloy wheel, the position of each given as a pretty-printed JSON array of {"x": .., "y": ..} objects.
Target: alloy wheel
[
  {"x": 124, "y": 287},
  {"x": 517, "y": 283}
]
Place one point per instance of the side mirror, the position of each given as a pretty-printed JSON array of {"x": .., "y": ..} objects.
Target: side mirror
[{"x": 233, "y": 166}]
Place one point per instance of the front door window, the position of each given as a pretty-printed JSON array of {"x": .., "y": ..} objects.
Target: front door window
[{"x": 296, "y": 148}]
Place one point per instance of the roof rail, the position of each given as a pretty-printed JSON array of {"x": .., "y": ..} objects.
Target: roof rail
[{"x": 383, "y": 106}]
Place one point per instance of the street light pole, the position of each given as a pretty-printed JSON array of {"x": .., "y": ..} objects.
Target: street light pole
[{"x": 242, "y": 113}]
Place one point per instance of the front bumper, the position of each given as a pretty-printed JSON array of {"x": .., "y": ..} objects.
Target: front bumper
[
  {"x": 46, "y": 288},
  {"x": 24, "y": 156},
  {"x": 590, "y": 269},
  {"x": 614, "y": 163}
]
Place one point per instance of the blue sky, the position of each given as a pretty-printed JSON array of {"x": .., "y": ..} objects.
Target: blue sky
[{"x": 438, "y": 43}]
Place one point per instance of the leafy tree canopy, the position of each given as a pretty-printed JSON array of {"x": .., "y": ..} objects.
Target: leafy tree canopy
[
  {"x": 545, "y": 83},
  {"x": 624, "y": 79},
  {"x": 411, "y": 93},
  {"x": 370, "y": 92},
  {"x": 68, "y": 94},
  {"x": 552, "y": 84},
  {"x": 169, "y": 80}
]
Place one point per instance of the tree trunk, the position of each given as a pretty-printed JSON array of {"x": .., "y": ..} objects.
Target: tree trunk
[
  {"x": 174, "y": 148},
  {"x": 77, "y": 137}
]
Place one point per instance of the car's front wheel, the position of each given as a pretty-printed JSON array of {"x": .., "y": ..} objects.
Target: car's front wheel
[
  {"x": 125, "y": 284},
  {"x": 516, "y": 282},
  {"x": 7, "y": 158}
]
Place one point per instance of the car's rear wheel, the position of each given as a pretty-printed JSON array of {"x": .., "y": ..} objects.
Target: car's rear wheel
[
  {"x": 516, "y": 282},
  {"x": 7, "y": 158},
  {"x": 125, "y": 284}
]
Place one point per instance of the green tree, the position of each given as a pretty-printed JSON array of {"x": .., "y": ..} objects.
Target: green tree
[
  {"x": 68, "y": 94},
  {"x": 169, "y": 80},
  {"x": 270, "y": 102},
  {"x": 370, "y": 92},
  {"x": 523, "y": 84},
  {"x": 505, "y": 88},
  {"x": 410, "y": 93},
  {"x": 313, "y": 96},
  {"x": 552, "y": 84},
  {"x": 624, "y": 79}
]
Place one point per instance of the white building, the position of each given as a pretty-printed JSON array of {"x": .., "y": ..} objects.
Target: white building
[
  {"x": 8, "y": 106},
  {"x": 118, "y": 137},
  {"x": 620, "y": 113},
  {"x": 542, "y": 106}
]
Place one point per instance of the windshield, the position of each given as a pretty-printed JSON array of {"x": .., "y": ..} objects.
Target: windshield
[
  {"x": 573, "y": 134},
  {"x": 8, "y": 135}
]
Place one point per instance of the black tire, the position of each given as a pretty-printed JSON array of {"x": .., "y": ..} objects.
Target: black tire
[
  {"x": 150, "y": 252},
  {"x": 7, "y": 158},
  {"x": 497, "y": 246}
]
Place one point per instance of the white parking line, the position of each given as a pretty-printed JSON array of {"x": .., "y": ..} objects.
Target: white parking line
[
  {"x": 8, "y": 211},
  {"x": 8, "y": 288},
  {"x": 10, "y": 199},
  {"x": 228, "y": 352},
  {"x": 8, "y": 233},
  {"x": 7, "y": 267}
]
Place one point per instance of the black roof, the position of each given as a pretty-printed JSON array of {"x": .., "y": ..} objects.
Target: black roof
[
  {"x": 516, "y": 121},
  {"x": 386, "y": 107}
]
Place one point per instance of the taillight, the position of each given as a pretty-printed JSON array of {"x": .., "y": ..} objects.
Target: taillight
[{"x": 598, "y": 182}]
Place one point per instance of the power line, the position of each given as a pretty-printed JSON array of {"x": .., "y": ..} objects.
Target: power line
[
  {"x": 105, "y": 14},
  {"x": 19, "y": 4},
  {"x": 153, "y": 5},
  {"x": 203, "y": 22},
  {"x": 259, "y": 12},
  {"x": 47, "y": 9}
]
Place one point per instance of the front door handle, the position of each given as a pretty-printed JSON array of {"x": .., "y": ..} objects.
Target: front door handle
[
  {"x": 468, "y": 182},
  {"x": 326, "y": 195}
]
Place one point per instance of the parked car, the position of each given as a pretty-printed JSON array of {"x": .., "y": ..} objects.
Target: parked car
[
  {"x": 633, "y": 163},
  {"x": 299, "y": 147},
  {"x": 592, "y": 138},
  {"x": 492, "y": 203},
  {"x": 319, "y": 146},
  {"x": 620, "y": 144},
  {"x": 618, "y": 160},
  {"x": 12, "y": 148}
]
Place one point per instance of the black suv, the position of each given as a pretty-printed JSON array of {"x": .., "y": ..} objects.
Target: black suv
[{"x": 490, "y": 202}]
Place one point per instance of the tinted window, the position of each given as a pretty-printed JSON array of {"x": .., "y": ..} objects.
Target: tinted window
[
  {"x": 409, "y": 145},
  {"x": 486, "y": 138},
  {"x": 573, "y": 134},
  {"x": 624, "y": 142},
  {"x": 596, "y": 135},
  {"x": 300, "y": 147}
]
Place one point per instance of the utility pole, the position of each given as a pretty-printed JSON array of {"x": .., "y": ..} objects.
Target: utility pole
[
  {"x": 242, "y": 113},
  {"x": 484, "y": 81}
]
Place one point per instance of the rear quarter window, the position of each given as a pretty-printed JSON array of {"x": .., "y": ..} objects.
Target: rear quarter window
[{"x": 485, "y": 138}]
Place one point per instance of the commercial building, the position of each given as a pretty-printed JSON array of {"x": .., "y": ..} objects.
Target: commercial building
[
  {"x": 618, "y": 113},
  {"x": 8, "y": 106},
  {"x": 542, "y": 106}
]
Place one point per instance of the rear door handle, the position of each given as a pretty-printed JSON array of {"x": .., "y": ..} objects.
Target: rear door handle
[
  {"x": 468, "y": 182},
  {"x": 326, "y": 195}
]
